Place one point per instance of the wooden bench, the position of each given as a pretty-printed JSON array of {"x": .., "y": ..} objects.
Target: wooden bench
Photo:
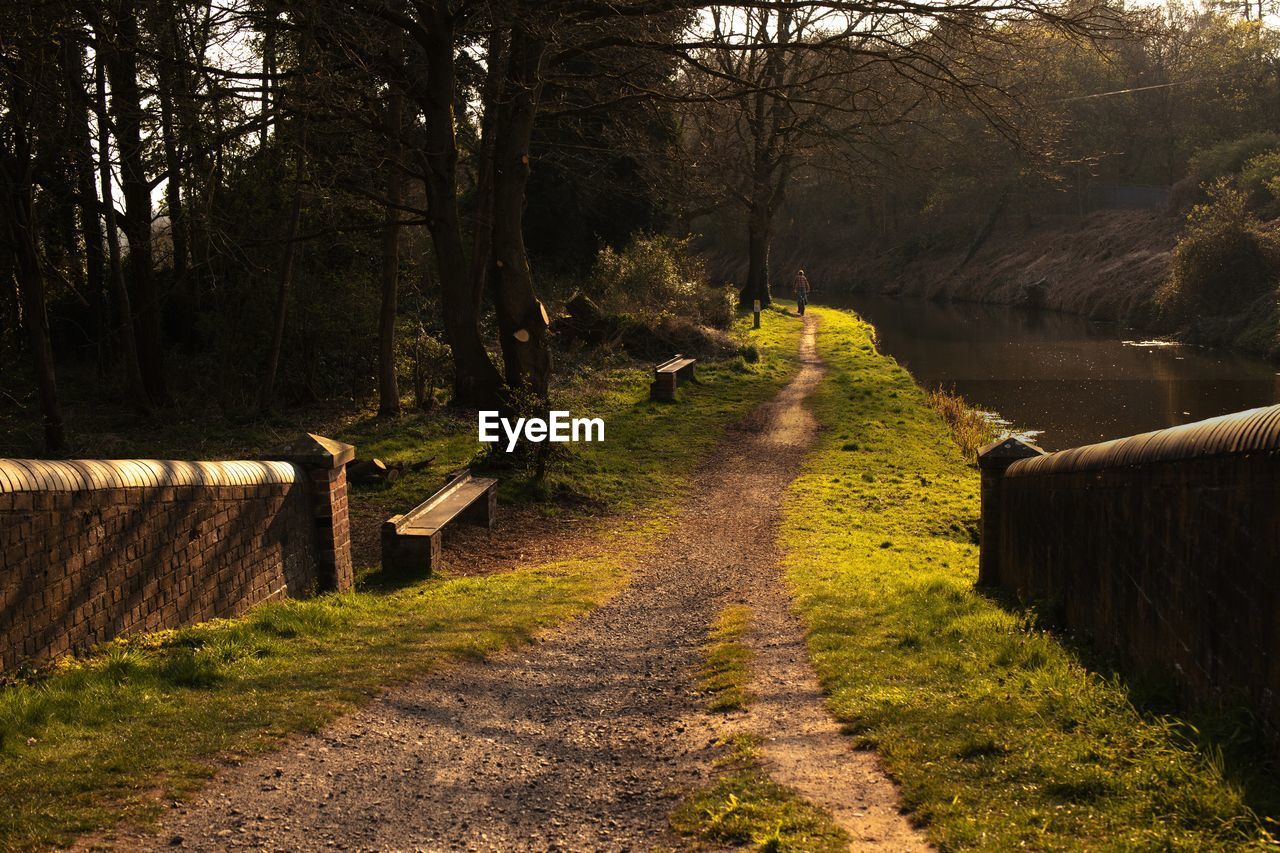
[
  {"x": 411, "y": 542},
  {"x": 667, "y": 375}
]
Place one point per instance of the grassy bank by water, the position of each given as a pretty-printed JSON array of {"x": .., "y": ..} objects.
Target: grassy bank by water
[
  {"x": 998, "y": 734},
  {"x": 148, "y": 719}
]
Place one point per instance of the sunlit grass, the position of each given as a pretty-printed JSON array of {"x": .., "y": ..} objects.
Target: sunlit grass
[
  {"x": 999, "y": 735},
  {"x": 745, "y": 808},
  {"x": 649, "y": 448},
  {"x": 726, "y": 671}
]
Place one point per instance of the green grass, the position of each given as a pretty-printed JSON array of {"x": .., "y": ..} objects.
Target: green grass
[
  {"x": 745, "y": 807},
  {"x": 998, "y": 734},
  {"x": 726, "y": 672},
  {"x": 108, "y": 737},
  {"x": 144, "y": 720}
]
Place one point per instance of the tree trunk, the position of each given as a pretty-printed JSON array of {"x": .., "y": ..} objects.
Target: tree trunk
[
  {"x": 173, "y": 188},
  {"x": 388, "y": 387},
  {"x": 476, "y": 381},
  {"x": 31, "y": 287},
  {"x": 482, "y": 242},
  {"x": 284, "y": 279},
  {"x": 126, "y": 111},
  {"x": 522, "y": 321},
  {"x": 17, "y": 185},
  {"x": 72, "y": 59},
  {"x": 759, "y": 236},
  {"x": 137, "y": 389}
]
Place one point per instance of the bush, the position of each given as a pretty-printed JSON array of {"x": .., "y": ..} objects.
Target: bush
[
  {"x": 1224, "y": 259},
  {"x": 1260, "y": 178},
  {"x": 970, "y": 427},
  {"x": 719, "y": 305},
  {"x": 426, "y": 359},
  {"x": 652, "y": 276},
  {"x": 1228, "y": 158}
]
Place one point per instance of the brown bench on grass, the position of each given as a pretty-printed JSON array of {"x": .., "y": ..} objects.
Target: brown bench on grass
[
  {"x": 411, "y": 542},
  {"x": 667, "y": 375}
]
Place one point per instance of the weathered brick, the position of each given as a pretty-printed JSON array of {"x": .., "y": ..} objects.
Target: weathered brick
[{"x": 103, "y": 561}]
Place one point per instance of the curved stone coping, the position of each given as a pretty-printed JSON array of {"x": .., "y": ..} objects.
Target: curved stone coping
[
  {"x": 1252, "y": 431},
  {"x": 43, "y": 475}
]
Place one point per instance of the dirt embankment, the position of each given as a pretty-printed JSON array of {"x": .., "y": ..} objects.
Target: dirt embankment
[{"x": 1107, "y": 265}]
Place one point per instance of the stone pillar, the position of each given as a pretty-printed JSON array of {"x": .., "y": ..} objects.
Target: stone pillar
[
  {"x": 324, "y": 460},
  {"x": 993, "y": 460}
]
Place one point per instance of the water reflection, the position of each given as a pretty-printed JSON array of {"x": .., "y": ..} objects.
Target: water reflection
[{"x": 1076, "y": 381}]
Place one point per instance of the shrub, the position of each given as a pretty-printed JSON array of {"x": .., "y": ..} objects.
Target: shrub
[
  {"x": 1260, "y": 178},
  {"x": 719, "y": 305},
  {"x": 1224, "y": 259},
  {"x": 425, "y": 359},
  {"x": 970, "y": 427},
  {"x": 1229, "y": 157},
  {"x": 652, "y": 276}
]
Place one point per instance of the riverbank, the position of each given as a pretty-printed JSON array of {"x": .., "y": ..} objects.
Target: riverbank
[
  {"x": 999, "y": 733},
  {"x": 1109, "y": 265}
]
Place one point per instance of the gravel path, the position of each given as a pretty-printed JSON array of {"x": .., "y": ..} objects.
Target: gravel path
[{"x": 587, "y": 739}]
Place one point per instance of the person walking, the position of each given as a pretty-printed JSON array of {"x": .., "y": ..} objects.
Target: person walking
[{"x": 802, "y": 289}]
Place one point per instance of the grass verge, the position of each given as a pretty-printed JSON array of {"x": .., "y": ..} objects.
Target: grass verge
[
  {"x": 108, "y": 738},
  {"x": 998, "y": 734},
  {"x": 745, "y": 807},
  {"x": 726, "y": 672}
]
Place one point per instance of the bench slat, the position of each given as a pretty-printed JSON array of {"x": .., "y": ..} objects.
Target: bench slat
[
  {"x": 440, "y": 509},
  {"x": 669, "y": 361},
  {"x": 674, "y": 366}
]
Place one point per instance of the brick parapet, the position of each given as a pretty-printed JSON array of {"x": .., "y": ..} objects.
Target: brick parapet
[{"x": 94, "y": 549}]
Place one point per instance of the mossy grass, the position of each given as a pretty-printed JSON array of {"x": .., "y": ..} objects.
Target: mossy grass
[
  {"x": 726, "y": 671},
  {"x": 109, "y": 737},
  {"x": 744, "y": 807},
  {"x": 999, "y": 734}
]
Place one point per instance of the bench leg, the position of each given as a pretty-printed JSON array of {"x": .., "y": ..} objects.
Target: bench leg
[
  {"x": 410, "y": 554},
  {"x": 663, "y": 388},
  {"x": 484, "y": 511}
]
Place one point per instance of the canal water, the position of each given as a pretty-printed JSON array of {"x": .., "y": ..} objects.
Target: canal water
[{"x": 1061, "y": 378}]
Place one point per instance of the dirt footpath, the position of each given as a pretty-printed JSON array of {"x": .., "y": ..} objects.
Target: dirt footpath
[{"x": 589, "y": 738}]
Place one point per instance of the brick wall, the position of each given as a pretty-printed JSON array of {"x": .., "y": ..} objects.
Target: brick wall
[
  {"x": 1162, "y": 549},
  {"x": 91, "y": 550}
]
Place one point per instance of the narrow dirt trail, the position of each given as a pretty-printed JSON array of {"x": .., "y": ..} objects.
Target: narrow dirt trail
[
  {"x": 801, "y": 743},
  {"x": 589, "y": 738}
]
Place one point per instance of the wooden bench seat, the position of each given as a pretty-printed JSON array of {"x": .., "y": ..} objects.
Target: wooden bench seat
[
  {"x": 672, "y": 372},
  {"x": 411, "y": 542}
]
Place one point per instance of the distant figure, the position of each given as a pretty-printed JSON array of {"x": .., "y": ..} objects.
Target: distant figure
[{"x": 801, "y": 287}]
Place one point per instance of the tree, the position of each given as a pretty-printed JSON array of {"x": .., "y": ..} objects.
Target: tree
[
  {"x": 771, "y": 86},
  {"x": 118, "y": 39},
  {"x": 29, "y": 57}
]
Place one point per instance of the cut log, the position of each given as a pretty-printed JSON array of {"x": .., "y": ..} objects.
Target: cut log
[
  {"x": 365, "y": 471},
  {"x": 583, "y": 309}
]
